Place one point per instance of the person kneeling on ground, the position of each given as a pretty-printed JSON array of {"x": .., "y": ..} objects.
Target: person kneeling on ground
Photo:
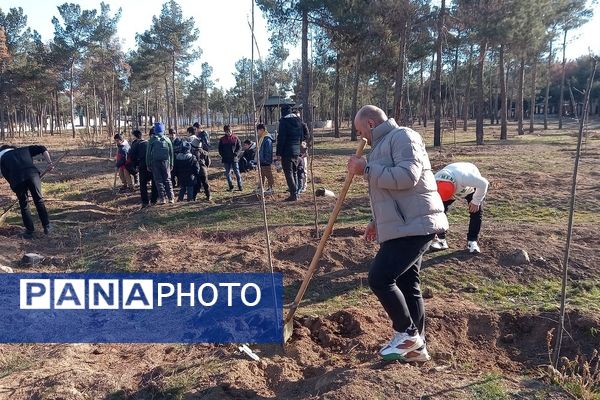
[
  {"x": 462, "y": 180},
  {"x": 187, "y": 169},
  {"x": 407, "y": 213},
  {"x": 122, "y": 163},
  {"x": 248, "y": 158},
  {"x": 16, "y": 165}
]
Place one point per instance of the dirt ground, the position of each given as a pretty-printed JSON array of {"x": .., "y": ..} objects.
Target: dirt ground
[{"x": 488, "y": 320}]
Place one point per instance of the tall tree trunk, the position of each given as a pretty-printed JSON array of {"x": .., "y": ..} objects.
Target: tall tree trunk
[
  {"x": 399, "y": 86},
  {"x": 343, "y": 100},
  {"x": 562, "y": 82},
  {"x": 428, "y": 100},
  {"x": 112, "y": 106},
  {"x": 168, "y": 100},
  {"x": 533, "y": 92},
  {"x": 437, "y": 125},
  {"x": 52, "y": 113},
  {"x": 454, "y": 98},
  {"x": 336, "y": 99},
  {"x": 119, "y": 107},
  {"x": 548, "y": 80},
  {"x": 207, "y": 109},
  {"x": 479, "y": 99},
  {"x": 106, "y": 108},
  {"x": 520, "y": 97},
  {"x": 421, "y": 91},
  {"x": 353, "y": 135},
  {"x": 306, "y": 84},
  {"x": 95, "y": 111},
  {"x": 491, "y": 108},
  {"x": 71, "y": 94},
  {"x": 503, "y": 100},
  {"x": 202, "y": 104},
  {"x": 58, "y": 116},
  {"x": 174, "y": 91},
  {"x": 87, "y": 116},
  {"x": 2, "y": 133},
  {"x": 468, "y": 90}
]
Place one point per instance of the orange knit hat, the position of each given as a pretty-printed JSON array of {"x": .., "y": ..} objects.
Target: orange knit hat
[{"x": 445, "y": 189}]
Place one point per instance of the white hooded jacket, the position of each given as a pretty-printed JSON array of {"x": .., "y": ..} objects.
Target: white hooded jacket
[{"x": 466, "y": 178}]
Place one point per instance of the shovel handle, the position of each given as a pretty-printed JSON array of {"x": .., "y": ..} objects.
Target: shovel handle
[{"x": 328, "y": 229}]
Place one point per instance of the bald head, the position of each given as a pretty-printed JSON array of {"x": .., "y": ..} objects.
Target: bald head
[
  {"x": 367, "y": 118},
  {"x": 373, "y": 113}
]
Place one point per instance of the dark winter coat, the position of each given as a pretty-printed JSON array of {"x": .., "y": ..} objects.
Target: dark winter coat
[
  {"x": 229, "y": 148},
  {"x": 186, "y": 168},
  {"x": 17, "y": 165},
  {"x": 201, "y": 154},
  {"x": 137, "y": 153},
  {"x": 292, "y": 131}
]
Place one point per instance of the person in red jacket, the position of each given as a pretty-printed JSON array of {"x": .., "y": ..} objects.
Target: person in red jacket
[{"x": 229, "y": 150}]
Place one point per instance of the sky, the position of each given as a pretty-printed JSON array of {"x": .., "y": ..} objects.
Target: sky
[{"x": 224, "y": 30}]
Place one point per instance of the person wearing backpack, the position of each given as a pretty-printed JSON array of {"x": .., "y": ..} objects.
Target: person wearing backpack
[
  {"x": 203, "y": 161},
  {"x": 159, "y": 158}
]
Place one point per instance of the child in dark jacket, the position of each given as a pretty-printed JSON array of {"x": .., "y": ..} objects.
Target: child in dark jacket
[
  {"x": 247, "y": 161},
  {"x": 187, "y": 169}
]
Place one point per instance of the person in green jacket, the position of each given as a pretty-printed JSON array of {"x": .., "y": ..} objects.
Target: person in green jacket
[{"x": 159, "y": 159}]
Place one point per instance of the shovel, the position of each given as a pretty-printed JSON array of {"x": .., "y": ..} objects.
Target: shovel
[{"x": 288, "y": 326}]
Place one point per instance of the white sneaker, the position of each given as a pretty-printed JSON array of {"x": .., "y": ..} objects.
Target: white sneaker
[
  {"x": 473, "y": 247},
  {"x": 401, "y": 344},
  {"x": 269, "y": 191},
  {"x": 419, "y": 355},
  {"x": 439, "y": 244}
]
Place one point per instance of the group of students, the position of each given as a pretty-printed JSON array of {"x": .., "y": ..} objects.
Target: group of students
[
  {"x": 164, "y": 162},
  {"x": 248, "y": 156}
]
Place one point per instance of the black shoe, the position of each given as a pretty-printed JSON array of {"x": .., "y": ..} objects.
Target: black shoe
[
  {"x": 47, "y": 229},
  {"x": 28, "y": 235},
  {"x": 240, "y": 189},
  {"x": 230, "y": 189},
  {"x": 291, "y": 198}
]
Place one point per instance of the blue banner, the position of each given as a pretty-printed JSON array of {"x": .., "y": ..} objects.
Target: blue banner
[{"x": 141, "y": 308}]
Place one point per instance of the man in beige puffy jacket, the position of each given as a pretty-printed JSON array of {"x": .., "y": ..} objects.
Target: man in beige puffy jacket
[{"x": 407, "y": 213}]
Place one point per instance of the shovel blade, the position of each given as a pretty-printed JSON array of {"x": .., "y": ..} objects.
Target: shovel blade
[{"x": 288, "y": 330}]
